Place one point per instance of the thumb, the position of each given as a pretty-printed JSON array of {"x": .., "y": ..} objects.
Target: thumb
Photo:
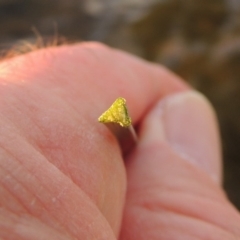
[{"x": 174, "y": 176}]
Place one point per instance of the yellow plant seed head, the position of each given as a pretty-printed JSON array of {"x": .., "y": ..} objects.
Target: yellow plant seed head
[{"x": 117, "y": 113}]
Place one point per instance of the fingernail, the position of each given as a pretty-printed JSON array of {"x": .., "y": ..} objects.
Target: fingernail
[{"x": 186, "y": 121}]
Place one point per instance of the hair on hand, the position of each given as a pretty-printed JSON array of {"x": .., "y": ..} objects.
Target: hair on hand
[{"x": 28, "y": 45}]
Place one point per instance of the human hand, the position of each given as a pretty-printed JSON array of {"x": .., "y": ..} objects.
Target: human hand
[{"x": 61, "y": 172}]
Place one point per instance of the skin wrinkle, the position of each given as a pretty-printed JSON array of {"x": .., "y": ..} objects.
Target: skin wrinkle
[
  {"x": 45, "y": 185},
  {"x": 163, "y": 151},
  {"x": 178, "y": 207},
  {"x": 56, "y": 219},
  {"x": 24, "y": 208},
  {"x": 36, "y": 125},
  {"x": 18, "y": 222},
  {"x": 25, "y": 139},
  {"x": 13, "y": 108},
  {"x": 16, "y": 202},
  {"x": 192, "y": 224},
  {"x": 34, "y": 195},
  {"x": 170, "y": 191},
  {"x": 21, "y": 141}
]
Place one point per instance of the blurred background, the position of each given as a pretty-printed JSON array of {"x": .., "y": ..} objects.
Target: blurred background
[{"x": 197, "y": 39}]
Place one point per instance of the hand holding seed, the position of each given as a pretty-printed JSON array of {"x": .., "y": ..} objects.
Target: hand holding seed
[{"x": 62, "y": 174}]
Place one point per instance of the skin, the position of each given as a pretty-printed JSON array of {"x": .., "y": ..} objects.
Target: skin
[{"x": 62, "y": 175}]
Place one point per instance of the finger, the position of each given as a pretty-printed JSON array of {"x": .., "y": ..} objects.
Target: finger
[
  {"x": 189, "y": 126},
  {"x": 49, "y": 101},
  {"x": 174, "y": 176}
]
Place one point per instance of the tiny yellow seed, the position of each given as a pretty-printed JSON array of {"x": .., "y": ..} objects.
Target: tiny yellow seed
[{"x": 117, "y": 113}]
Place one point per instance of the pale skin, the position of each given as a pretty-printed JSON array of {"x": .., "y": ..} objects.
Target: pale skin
[{"x": 62, "y": 175}]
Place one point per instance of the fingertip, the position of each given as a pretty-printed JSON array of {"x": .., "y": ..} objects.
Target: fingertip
[{"x": 187, "y": 123}]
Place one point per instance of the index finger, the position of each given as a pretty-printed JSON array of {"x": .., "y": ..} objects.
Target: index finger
[{"x": 50, "y": 100}]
